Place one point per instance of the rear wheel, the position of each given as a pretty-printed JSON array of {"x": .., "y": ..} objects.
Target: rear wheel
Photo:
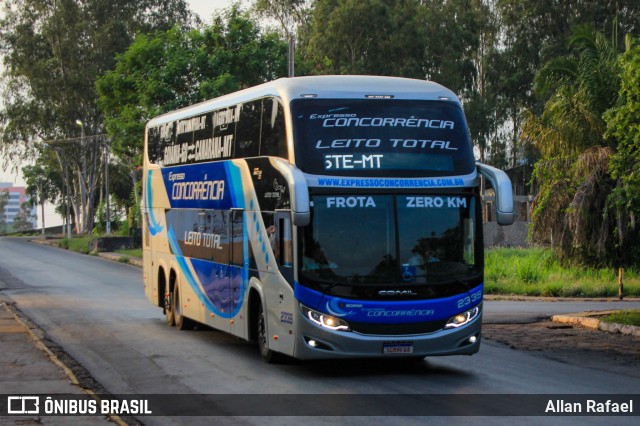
[
  {"x": 168, "y": 309},
  {"x": 182, "y": 323}
]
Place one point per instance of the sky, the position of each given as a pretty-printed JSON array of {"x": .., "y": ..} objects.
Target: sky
[{"x": 205, "y": 9}]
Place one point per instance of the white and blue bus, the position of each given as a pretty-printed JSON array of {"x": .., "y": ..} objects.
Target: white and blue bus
[{"x": 322, "y": 217}]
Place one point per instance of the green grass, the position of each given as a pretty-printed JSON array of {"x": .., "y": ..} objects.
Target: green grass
[
  {"x": 79, "y": 244},
  {"x": 630, "y": 317},
  {"x": 82, "y": 244},
  {"x": 131, "y": 252},
  {"x": 508, "y": 271},
  {"x": 537, "y": 272}
]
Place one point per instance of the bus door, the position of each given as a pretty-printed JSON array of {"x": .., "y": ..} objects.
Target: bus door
[{"x": 286, "y": 304}]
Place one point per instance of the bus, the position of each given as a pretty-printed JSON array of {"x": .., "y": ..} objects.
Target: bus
[{"x": 321, "y": 217}]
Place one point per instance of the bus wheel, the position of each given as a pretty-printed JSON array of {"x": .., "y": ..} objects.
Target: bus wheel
[
  {"x": 182, "y": 323},
  {"x": 267, "y": 354},
  {"x": 168, "y": 309}
]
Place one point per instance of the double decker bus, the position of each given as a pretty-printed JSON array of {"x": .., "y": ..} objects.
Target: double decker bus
[{"x": 321, "y": 217}]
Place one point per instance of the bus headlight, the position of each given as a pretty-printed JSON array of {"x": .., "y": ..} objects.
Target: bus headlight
[
  {"x": 324, "y": 320},
  {"x": 463, "y": 318}
]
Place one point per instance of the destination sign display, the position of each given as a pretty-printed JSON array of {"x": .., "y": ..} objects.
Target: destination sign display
[{"x": 381, "y": 137}]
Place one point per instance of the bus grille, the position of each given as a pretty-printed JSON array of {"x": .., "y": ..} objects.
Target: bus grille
[{"x": 397, "y": 329}]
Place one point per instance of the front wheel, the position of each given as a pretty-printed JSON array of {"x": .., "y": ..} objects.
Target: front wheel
[{"x": 267, "y": 354}]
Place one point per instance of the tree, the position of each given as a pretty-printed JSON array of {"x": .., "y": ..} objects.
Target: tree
[
  {"x": 481, "y": 97},
  {"x": 366, "y": 37},
  {"x": 40, "y": 186},
  {"x": 573, "y": 173},
  {"x": 290, "y": 14},
  {"x": 4, "y": 200},
  {"x": 623, "y": 124},
  {"x": 169, "y": 70},
  {"x": 54, "y": 50},
  {"x": 534, "y": 32},
  {"x": 23, "y": 220}
]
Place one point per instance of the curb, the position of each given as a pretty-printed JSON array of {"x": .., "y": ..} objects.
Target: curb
[
  {"x": 40, "y": 345},
  {"x": 590, "y": 319},
  {"x": 122, "y": 258},
  {"x": 116, "y": 257}
]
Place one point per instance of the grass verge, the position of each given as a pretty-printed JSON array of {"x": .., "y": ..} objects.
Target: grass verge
[
  {"x": 79, "y": 244},
  {"x": 628, "y": 317},
  {"x": 537, "y": 272},
  {"x": 508, "y": 271},
  {"x": 131, "y": 252}
]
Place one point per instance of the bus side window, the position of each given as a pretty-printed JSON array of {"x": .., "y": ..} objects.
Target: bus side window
[
  {"x": 274, "y": 138},
  {"x": 164, "y": 136},
  {"x": 153, "y": 142},
  {"x": 216, "y": 227},
  {"x": 237, "y": 237},
  {"x": 223, "y": 122},
  {"x": 247, "y": 141},
  {"x": 285, "y": 246}
]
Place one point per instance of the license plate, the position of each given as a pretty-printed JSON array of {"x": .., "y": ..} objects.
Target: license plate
[{"x": 397, "y": 348}]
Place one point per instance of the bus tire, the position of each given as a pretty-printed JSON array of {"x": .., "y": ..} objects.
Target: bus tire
[
  {"x": 267, "y": 354},
  {"x": 168, "y": 309},
  {"x": 182, "y": 323}
]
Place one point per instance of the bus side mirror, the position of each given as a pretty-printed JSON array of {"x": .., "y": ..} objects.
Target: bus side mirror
[
  {"x": 301, "y": 218},
  {"x": 299, "y": 190},
  {"x": 501, "y": 184},
  {"x": 300, "y": 205}
]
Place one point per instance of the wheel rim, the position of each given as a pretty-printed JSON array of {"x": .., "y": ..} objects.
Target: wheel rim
[
  {"x": 168, "y": 310},
  {"x": 176, "y": 297}
]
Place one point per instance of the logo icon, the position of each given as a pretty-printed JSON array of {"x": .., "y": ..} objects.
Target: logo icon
[{"x": 23, "y": 405}]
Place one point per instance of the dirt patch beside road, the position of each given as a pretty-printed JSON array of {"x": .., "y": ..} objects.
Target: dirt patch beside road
[{"x": 571, "y": 344}]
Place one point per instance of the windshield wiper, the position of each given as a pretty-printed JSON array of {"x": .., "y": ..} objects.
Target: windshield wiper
[
  {"x": 327, "y": 286},
  {"x": 465, "y": 285}
]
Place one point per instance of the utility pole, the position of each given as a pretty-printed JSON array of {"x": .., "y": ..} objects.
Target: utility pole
[{"x": 291, "y": 59}]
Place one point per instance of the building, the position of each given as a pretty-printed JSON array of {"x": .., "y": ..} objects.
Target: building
[
  {"x": 17, "y": 196},
  {"x": 516, "y": 235}
]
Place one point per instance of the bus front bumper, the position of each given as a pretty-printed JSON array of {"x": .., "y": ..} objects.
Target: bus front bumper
[{"x": 316, "y": 342}]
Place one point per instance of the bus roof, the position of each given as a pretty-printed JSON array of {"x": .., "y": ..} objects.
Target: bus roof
[{"x": 328, "y": 86}]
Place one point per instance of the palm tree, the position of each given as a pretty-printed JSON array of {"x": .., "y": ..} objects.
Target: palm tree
[{"x": 570, "y": 210}]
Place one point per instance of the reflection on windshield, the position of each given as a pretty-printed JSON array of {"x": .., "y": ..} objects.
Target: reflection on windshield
[
  {"x": 351, "y": 239},
  {"x": 356, "y": 239},
  {"x": 436, "y": 236}
]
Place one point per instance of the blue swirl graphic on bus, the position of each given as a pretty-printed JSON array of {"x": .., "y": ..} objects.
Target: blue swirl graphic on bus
[
  {"x": 333, "y": 307},
  {"x": 154, "y": 226},
  {"x": 175, "y": 248}
]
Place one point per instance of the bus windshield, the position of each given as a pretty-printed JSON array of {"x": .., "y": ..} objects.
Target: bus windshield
[
  {"x": 385, "y": 239},
  {"x": 372, "y": 137}
]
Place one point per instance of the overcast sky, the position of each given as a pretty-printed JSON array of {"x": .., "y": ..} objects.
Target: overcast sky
[{"x": 206, "y": 8}]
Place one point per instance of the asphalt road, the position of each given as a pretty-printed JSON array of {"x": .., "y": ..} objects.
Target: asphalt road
[{"x": 96, "y": 311}]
